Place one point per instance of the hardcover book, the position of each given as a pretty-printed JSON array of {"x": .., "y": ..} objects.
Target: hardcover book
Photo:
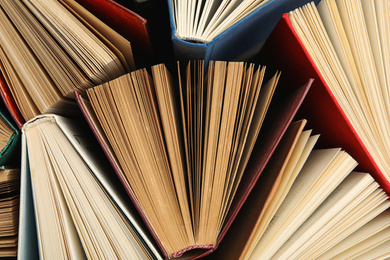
[
  {"x": 73, "y": 205},
  {"x": 240, "y": 39},
  {"x": 187, "y": 136},
  {"x": 309, "y": 203},
  {"x": 51, "y": 48},
  {"x": 332, "y": 115}
]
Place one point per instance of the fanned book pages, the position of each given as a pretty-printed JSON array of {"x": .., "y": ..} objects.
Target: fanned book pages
[
  {"x": 180, "y": 145},
  {"x": 308, "y": 204},
  {"x": 6, "y": 132},
  {"x": 323, "y": 108},
  {"x": 127, "y": 21},
  {"x": 145, "y": 23},
  {"x": 348, "y": 42},
  {"x": 74, "y": 206},
  {"x": 184, "y": 185},
  {"x": 202, "y": 21},
  {"x": 50, "y": 48},
  {"x": 224, "y": 30}
]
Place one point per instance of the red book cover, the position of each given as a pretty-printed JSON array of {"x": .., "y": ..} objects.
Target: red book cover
[
  {"x": 285, "y": 51},
  {"x": 283, "y": 108},
  {"x": 10, "y": 102}
]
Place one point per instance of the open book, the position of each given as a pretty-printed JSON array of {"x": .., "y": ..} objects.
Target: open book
[
  {"x": 355, "y": 37},
  {"x": 180, "y": 146},
  {"x": 145, "y": 23},
  {"x": 224, "y": 30},
  {"x": 73, "y": 199},
  {"x": 350, "y": 83},
  {"x": 351, "y": 52},
  {"x": 309, "y": 204},
  {"x": 48, "y": 49},
  {"x": 202, "y": 21}
]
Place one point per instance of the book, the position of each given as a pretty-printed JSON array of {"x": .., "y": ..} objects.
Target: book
[
  {"x": 9, "y": 140},
  {"x": 72, "y": 204},
  {"x": 373, "y": 236},
  {"x": 157, "y": 14},
  {"x": 238, "y": 41},
  {"x": 51, "y": 48},
  {"x": 331, "y": 116},
  {"x": 307, "y": 201},
  {"x": 165, "y": 136},
  {"x": 9, "y": 137},
  {"x": 154, "y": 42},
  {"x": 143, "y": 23},
  {"x": 9, "y": 214}
]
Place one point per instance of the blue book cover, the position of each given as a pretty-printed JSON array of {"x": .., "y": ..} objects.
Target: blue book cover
[{"x": 241, "y": 41}]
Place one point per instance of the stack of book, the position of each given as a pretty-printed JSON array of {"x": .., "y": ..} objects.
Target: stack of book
[
  {"x": 9, "y": 211},
  {"x": 151, "y": 129}
]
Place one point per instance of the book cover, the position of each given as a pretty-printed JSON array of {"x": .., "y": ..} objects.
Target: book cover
[
  {"x": 156, "y": 14},
  {"x": 9, "y": 102},
  {"x": 27, "y": 237}
]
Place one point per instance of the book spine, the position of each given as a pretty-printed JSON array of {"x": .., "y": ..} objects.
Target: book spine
[{"x": 188, "y": 51}]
